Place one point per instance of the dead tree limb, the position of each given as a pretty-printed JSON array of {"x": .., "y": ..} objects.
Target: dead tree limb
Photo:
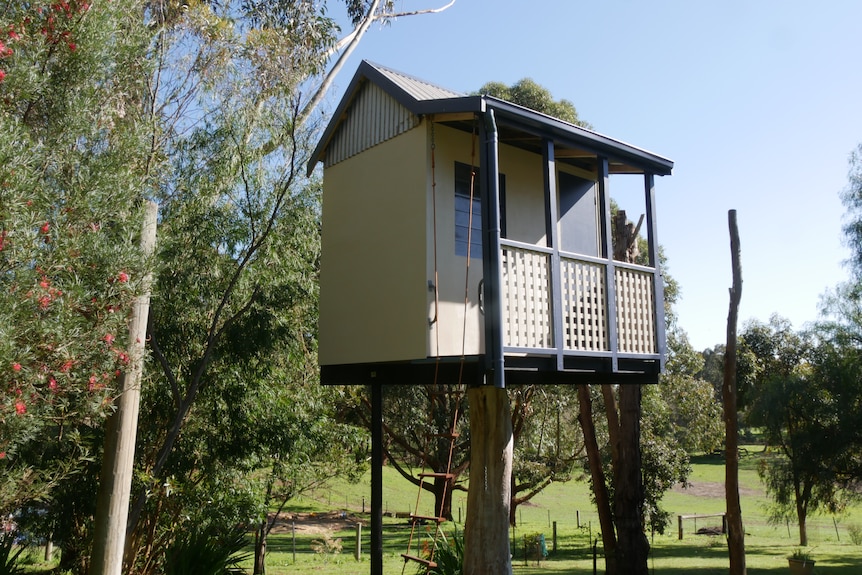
[{"x": 735, "y": 532}]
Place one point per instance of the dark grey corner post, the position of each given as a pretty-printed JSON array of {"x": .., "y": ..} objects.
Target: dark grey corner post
[
  {"x": 608, "y": 252},
  {"x": 649, "y": 192},
  {"x": 552, "y": 216},
  {"x": 491, "y": 268},
  {"x": 376, "y": 478}
]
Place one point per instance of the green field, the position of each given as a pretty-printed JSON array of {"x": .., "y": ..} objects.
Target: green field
[
  {"x": 767, "y": 545},
  {"x": 322, "y": 538}
]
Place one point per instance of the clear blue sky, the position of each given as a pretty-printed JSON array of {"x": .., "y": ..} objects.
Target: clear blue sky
[{"x": 759, "y": 104}]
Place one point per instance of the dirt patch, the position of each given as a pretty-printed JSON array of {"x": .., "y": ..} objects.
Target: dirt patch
[
  {"x": 315, "y": 523},
  {"x": 710, "y": 490}
]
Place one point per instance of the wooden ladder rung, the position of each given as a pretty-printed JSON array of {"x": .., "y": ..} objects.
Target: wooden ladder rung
[
  {"x": 427, "y": 518},
  {"x": 427, "y": 562},
  {"x": 438, "y": 475}
]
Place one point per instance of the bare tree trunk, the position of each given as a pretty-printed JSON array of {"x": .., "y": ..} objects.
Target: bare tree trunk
[
  {"x": 632, "y": 544},
  {"x": 260, "y": 548},
  {"x": 735, "y": 532},
  {"x": 486, "y": 533},
  {"x": 597, "y": 474},
  {"x": 115, "y": 483}
]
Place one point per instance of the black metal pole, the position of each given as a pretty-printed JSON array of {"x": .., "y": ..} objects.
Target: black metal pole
[{"x": 376, "y": 479}]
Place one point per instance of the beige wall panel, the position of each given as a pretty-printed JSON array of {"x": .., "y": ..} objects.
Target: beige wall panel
[
  {"x": 373, "y": 292},
  {"x": 460, "y": 327},
  {"x": 525, "y": 196}
]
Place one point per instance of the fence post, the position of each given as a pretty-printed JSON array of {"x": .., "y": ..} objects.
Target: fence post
[
  {"x": 679, "y": 521},
  {"x": 555, "y": 537},
  {"x": 358, "y": 541}
]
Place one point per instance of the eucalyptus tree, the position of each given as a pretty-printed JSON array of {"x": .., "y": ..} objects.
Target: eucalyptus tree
[{"x": 233, "y": 318}]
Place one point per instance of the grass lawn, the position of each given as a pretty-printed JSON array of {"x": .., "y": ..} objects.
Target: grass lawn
[{"x": 568, "y": 505}]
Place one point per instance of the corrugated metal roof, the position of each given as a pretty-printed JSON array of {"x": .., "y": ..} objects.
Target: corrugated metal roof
[
  {"x": 416, "y": 87},
  {"x": 420, "y": 98}
]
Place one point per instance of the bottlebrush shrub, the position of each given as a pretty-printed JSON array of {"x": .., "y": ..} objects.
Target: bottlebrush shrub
[{"x": 72, "y": 178}]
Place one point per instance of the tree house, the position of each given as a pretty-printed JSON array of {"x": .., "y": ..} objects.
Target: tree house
[{"x": 468, "y": 239}]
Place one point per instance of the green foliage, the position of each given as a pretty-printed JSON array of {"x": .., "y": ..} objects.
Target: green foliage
[
  {"x": 73, "y": 172},
  {"x": 804, "y": 403},
  {"x": 530, "y": 94},
  {"x": 232, "y": 417},
  {"x": 852, "y": 198},
  {"x": 800, "y": 554},
  {"x": 10, "y": 553},
  {"x": 449, "y": 556},
  {"x": 206, "y": 551}
]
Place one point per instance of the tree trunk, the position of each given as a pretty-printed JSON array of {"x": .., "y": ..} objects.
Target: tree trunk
[
  {"x": 260, "y": 549},
  {"x": 597, "y": 474},
  {"x": 735, "y": 532},
  {"x": 632, "y": 544},
  {"x": 802, "y": 513},
  {"x": 118, "y": 461},
  {"x": 486, "y": 533},
  {"x": 443, "y": 497}
]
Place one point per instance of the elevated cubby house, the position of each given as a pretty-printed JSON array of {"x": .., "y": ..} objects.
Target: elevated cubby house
[{"x": 468, "y": 239}]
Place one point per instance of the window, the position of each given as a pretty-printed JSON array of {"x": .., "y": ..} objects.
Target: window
[{"x": 465, "y": 227}]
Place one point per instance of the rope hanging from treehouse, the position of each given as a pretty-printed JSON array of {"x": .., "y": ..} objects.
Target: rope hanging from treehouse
[{"x": 456, "y": 390}]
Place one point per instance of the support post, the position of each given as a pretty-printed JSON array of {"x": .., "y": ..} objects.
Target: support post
[
  {"x": 492, "y": 271},
  {"x": 658, "y": 282},
  {"x": 115, "y": 483},
  {"x": 552, "y": 212},
  {"x": 376, "y": 479},
  {"x": 608, "y": 252},
  {"x": 358, "y": 552},
  {"x": 486, "y": 532}
]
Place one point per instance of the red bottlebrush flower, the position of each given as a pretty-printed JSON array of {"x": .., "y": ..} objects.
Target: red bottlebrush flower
[
  {"x": 16, "y": 366},
  {"x": 52, "y": 384},
  {"x": 13, "y": 35},
  {"x": 20, "y": 408},
  {"x": 46, "y": 227},
  {"x": 122, "y": 277},
  {"x": 2, "y": 75},
  {"x": 72, "y": 47},
  {"x": 44, "y": 301},
  {"x": 67, "y": 366},
  {"x": 2, "y": 455},
  {"x": 44, "y": 283},
  {"x": 109, "y": 338}
]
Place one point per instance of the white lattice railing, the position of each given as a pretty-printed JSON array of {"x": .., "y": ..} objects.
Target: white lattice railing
[
  {"x": 585, "y": 313},
  {"x": 527, "y": 305},
  {"x": 635, "y": 311},
  {"x": 526, "y": 298}
]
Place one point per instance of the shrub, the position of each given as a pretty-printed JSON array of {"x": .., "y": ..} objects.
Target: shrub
[
  {"x": 206, "y": 552},
  {"x": 9, "y": 554}
]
